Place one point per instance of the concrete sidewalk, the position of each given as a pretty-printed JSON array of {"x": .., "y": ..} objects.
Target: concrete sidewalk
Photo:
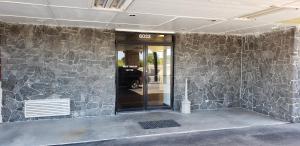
[
  {"x": 272, "y": 135},
  {"x": 65, "y": 131}
]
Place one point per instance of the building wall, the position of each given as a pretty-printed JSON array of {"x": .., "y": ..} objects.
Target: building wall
[
  {"x": 212, "y": 63},
  {"x": 42, "y": 62},
  {"x": 263, "y": 79},
  {"x": 0, "y": 103},
  {"x": 267, "y": 73},
  {"x": 295, "y": 101},
  {"x": 259, "y": 73}
]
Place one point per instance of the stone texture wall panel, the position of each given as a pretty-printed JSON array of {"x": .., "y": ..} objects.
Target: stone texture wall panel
[
  {"x": 267, "y": 73},
  {"x": 41, "y": 62},
  {"x": 212, "y": 65},
  {"x": 257, "y": 72}
]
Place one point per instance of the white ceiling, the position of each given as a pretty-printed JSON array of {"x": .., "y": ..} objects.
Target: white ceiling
[{"x": 203, "y": 16}]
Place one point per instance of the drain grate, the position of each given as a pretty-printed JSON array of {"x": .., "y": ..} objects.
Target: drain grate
[{"x": 159, "y": 124}]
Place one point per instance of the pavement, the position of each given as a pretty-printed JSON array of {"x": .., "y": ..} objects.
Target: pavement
[
  {"x": 125, "y": 126},
  {"x": 272, "y": 135}
]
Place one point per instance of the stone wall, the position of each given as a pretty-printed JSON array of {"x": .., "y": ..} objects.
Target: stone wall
[
  {"x": 295, "y": 101},
  {"x": 41, "y": 62},
  {"x": 0, "y": 102},
  {"x": 212, "y": 65},
  {"x": 259, "y": 73},
  {"x": 255, "y": 72},
  {"x": 267, "y": 73}
]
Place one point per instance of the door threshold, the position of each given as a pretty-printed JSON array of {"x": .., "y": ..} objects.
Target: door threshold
[{"x": 144, "y": 111}]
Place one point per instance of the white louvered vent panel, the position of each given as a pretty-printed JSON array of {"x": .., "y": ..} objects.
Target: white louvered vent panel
[{"x": 47, "y": 107}]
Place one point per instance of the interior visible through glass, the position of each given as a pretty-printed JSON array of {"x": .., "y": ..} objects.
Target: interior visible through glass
[
  {"x": 144, "y": 76},
  {"x": 159, "y": 75}
]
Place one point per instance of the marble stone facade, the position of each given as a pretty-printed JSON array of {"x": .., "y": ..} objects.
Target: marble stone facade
[
  {"x": 294, "y": 103},
  {"x": 257, "y": 72},
  {"x": 212, "y": 65},
  {"x": 0, "y": 102},
  {"x": 43, "y": 62},
  {"x": 267, "y": 73}
]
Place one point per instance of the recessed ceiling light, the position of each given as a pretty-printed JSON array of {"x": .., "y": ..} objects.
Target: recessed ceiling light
[{"x": 112, "y": 4}]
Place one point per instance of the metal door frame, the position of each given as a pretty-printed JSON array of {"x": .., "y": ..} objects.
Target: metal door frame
[{"x": 145, "y": 82}]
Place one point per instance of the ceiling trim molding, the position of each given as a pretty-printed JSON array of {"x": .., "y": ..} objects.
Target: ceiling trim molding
[
  {"x": 112, "y": 10},
  {"x": 244, "y": 28}
]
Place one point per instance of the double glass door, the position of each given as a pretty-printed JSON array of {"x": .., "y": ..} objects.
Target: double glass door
[{"x": 144, "y": 77}]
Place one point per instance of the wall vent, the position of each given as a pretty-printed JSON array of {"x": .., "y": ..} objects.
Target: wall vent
[
  {"x": 112, "y": 4},
  {"x": 47, "y": 107}
]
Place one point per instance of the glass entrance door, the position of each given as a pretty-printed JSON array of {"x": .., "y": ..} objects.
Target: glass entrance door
[
  {"x": 144, "y": 71},
  {"x": 144, "y": 77}
]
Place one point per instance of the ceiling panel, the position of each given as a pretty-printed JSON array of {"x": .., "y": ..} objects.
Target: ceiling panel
[
  {"x": 24, "y": 10},
  {"x": 230, "y": 25},
  {"x": 221, "y": 9},
  {"x": 258, "y": 30},
  {"x": 152, "y": 15},
  {"x": 131, "y": 27},
  {"x": 44, "y": 2},
  {"x": 72, "y": 3},
  {"x": 294, "y": 5},
  {"x": 83, "y": 14},
  {"x": 186, "y": 24},
  {"x": 26, "y": 20},
  {"x": 81, "y": 24},
  {"x": 252, "y": 3},
  {"x": 280, "y": 16},
  {"x": 141, "y": 19}
]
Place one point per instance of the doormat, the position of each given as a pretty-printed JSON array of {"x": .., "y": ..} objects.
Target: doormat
[{"x": 159, "y": 124}]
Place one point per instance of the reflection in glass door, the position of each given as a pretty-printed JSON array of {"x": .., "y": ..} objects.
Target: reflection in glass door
[
  {"x": 130, "y": 66},
  {"x": 158, "y": 76},
  {"x": 144, "y": 77}
]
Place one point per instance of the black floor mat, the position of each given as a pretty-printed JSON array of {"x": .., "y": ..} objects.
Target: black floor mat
[{"x": 159, "y": 124}]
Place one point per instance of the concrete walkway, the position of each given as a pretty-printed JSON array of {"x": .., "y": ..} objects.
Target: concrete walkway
[
  {"x": 274, "y": 135},
  {"x": 64, "y": 131}
]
